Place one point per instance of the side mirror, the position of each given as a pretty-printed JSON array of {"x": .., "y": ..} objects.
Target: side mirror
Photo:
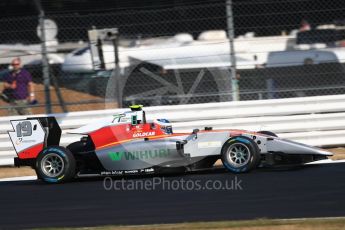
[{"x": 195, "y": 131}]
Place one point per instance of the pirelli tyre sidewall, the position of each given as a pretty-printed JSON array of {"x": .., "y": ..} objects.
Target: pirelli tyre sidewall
[
  {"x": 248, "y": 151},
  {"x": 58, "y": 158}
]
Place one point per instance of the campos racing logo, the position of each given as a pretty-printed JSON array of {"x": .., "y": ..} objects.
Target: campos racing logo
[
  {"x": 144, "y": 134},
  {"x": 20, "y": 141},
  {"x": 136, "y": 155}
]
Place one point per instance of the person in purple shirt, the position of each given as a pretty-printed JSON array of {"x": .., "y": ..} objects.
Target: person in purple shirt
[{"x": 19, "y": 83}]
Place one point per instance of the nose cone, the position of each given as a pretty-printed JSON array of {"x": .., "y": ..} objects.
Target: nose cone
[
  {"x": 291, "y": 147},
  {"x": 323, "y": 152}
]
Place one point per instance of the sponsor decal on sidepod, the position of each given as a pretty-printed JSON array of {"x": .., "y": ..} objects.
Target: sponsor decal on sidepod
[
  {"x": 144, "y": 134},
  {"x": 136, "y": 155}
]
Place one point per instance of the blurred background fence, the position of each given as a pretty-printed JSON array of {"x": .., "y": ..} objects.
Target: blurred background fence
[{"x": 178, "y": 52}]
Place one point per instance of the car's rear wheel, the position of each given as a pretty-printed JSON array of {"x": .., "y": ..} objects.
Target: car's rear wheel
[
  {"x": 55, "y": 164},
  {"x": 240, "y": 155}
]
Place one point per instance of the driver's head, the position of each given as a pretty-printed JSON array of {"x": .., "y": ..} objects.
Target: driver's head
[{"x": 165, "y": 125}]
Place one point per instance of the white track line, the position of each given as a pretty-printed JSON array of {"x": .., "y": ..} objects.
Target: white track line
[
  {"x": 21, "y": 178},
  {"x": 327, "y": 161},
  {"x": 28, "y": 178}
]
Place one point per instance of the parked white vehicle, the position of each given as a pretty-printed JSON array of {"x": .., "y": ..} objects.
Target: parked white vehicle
[
  {"x": 305, "y": 57},
  {"x": 211, "y": 49}
]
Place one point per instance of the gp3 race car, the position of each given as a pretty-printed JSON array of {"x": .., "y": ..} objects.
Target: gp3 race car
[{"x": 127, "y": 144}]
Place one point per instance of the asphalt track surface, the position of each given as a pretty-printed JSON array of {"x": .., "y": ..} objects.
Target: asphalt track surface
[{"x": 311, "y": 191}]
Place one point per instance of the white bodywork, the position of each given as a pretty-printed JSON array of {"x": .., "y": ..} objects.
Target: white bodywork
[
  {"x": 211, "y": 142},
  {"x": 26, "y": 134},
  {"x": 109, "y": 121}
]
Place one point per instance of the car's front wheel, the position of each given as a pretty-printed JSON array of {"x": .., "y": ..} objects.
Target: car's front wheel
[
  {"x": 240, "y": 155},
  {"x": 55, "y": 164}
]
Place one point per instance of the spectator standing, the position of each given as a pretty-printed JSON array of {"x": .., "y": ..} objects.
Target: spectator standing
[
  {"x": 19, "y": 81},
  {"x": 305, "y": 26}
]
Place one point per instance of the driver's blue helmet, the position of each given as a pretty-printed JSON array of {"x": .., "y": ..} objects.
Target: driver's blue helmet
[{"x": 165, "y": 125}]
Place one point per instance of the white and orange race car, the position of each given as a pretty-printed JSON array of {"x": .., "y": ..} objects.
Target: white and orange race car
[{"x": 128, "y": 144}]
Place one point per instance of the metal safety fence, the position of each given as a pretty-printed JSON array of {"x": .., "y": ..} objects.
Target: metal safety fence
[{"x": 177, "y": 53}]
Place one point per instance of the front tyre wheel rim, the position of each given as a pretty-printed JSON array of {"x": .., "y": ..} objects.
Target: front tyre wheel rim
[
  {"x": 52, "y": 165},
  {"x": 238, "y": 155}
]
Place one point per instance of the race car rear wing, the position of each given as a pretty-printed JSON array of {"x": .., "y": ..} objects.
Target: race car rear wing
[
  {"x": 52, "y": 128},
  {"x": 32, "y": 135}
]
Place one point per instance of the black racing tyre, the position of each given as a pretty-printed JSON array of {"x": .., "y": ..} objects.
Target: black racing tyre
[
  {"x": 240, "y": 154},
  {"x": 55, "y": 164},
  {"x": 268, "y": 133}
]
